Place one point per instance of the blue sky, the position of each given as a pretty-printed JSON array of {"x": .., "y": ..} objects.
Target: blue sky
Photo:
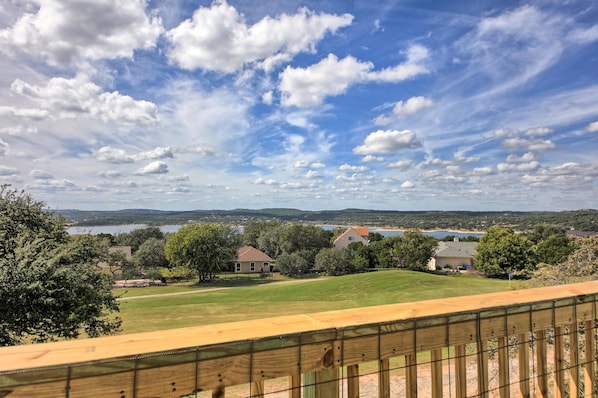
[{"x": 399, "y": 105}]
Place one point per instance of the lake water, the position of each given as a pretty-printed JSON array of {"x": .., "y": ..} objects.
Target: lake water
[{"x": 119, "y": 229}]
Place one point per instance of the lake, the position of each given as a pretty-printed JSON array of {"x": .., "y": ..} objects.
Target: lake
[{"x": 119, "y": 229}]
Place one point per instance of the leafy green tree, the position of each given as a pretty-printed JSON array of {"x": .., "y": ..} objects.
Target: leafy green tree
[
  {"x": 383, "y": 252},
  {"x": 136, "y": 237},
  {"x": 580, "y": 266},
  {"x": 502, "y": 250},
  {"x": 414, "y": 250},
  {"x": 308, "y": 239},
  {"x": 554, "y": 250},
  {"x": 269, "y": 240},
  {"x": 542, "y": 232},
  {"x": 293, "y": 264},
  {"x": 51, "y": 286},
  {"x": 150, "y": 254},
  {"x": 360, "y": 257},
  {"x": 206, "y": 248},
  {"x": 333, "y": 261}
]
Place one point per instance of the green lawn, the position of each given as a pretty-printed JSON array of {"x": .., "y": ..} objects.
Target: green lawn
[{"x": 307, "y": 296}]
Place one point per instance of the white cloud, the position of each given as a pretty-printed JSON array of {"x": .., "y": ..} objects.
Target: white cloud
[
  {"x": 41, "y": 175},
  {"x": 518, "y": 167},
  {"x": 592, "y": 127},
  {"x": 71, "y": 98},
  {"x": 156, "y": 153},
  {"x": 387, "y": 141},
  {"x": 3, "y": 147},
  {"x": 348, "y": 167},
  {"x": 156, "y": 167},
  {"x": 8, "y": 171},
  {"x": 401, "y": 165},
  {"x": 109, "y": 154},
  {"x": 307, "y": 87},
  {"x": 110, "y": 174},
  {"x": 317, "y": 165},
  {"x": 538, "y": 131},
  {"x": 267, "y": 98},
  {"x": 313, "y": 174},
  {"x": 26, "y": 113},
  {"x": 407, "y": 185},
  {"x": 65, "y": 32},
  {"x": 482, "y": 171},
  {"x": 411, "y": 106},
  {"x": 372, "y": 158},
  {"x": 301, "y": 164},
  {"x": 526, "y": 157},
  {"x": 514, "y": 143},
  {"x": 265, "y": 181},
  {"x": 218, "y": 38}
]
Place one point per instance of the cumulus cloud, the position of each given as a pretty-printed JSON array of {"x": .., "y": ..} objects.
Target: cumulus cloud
[
  {"x": 537, "y": 131},
  {"x": 348, "y": 167},
  {"x": 401, "y": 165},
  {"x": 407, "y": 185},
  {"x": 156, "y": 153},
  {"x": 109, "y": 154},
  {"x": 372, "y": 158},
  {"x": 313, "y": 174},
  {"x": 534, "y": 144},
  {"x": 265, "y": 181},
  {"x": 64, "y": 32},
  {"x": 570, "y": 175},
  {"x": 217, "y": 38},
  {"x": 518, "y": 167},
  {"x": 71, "y": 98},
  {"x": 110, "y": 174},
  {"x": 6, "y": 171},
  {"x": 156, "y": 167},
  {"x": 526, "y": 157},
  {"x": 25, "y": 113},
  {"x": 592, "y": 127},
  {"x": 307, "y": 87},
  {"x": 411, "y": 106},
  {"x": 387, "y": 141},
  {"x": 41, "y": 175},
  {"x": 482, "y": 171}
]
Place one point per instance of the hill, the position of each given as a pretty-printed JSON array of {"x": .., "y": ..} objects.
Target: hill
[{"x": 584, "y": 220}]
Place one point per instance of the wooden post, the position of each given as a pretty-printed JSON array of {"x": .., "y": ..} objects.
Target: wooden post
[
  {"x": 353, "y": 381},
  {"x": 559, "y": 363},
  {"x": 460, "y": 371},
  {"x": 590, "y": 356},
  {"x": 322, "y": 384},
  {"x": 411, "y": 375},
  {"x": 541, "y": 364},
  {"x": 295, "y": 386},
  {"x": 384, "y": 378},
  {"x": 503, "y": 367},
  {"x": 436, "y": 373},
  {"x": 483, "y": 369},
  {"x": 574, "y": 379},
  {"x": 524, "y": 375},
  {"x": 257, "y": 389}
]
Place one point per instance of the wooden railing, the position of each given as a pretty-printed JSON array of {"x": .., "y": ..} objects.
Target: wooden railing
[{"x": 537, "y": 342}]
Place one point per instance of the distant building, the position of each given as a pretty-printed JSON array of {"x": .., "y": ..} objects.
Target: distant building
[
  {"x": 353, "y": 234},
  {"x": 581, "y": 234},
  {"x": 250, "y": 259},
  {"x": 454, "y": 255}
]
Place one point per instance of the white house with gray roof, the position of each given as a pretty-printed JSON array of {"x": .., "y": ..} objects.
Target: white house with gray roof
[{"x": 453, "y": 255}]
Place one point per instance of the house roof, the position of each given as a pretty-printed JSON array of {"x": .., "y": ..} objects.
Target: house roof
[
  {"x": 361, "y": 231},
  {"x": 248, "y": 253},
  {"x": 456, "y": 249}
]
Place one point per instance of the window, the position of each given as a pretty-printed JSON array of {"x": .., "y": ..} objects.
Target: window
[
  {"x": 350, "y": 237},
  {"x": 238, "y": 267},
  {"x": 252, "y": 267}
]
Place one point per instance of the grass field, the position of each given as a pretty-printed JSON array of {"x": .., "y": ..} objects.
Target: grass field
[{"x": 210, "y": 306}]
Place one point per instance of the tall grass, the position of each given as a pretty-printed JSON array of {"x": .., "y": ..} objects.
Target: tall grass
[{"x": 210, "y": 306}]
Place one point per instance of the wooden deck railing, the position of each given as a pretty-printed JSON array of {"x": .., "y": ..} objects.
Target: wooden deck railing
[{"x": 537, "y": 342}]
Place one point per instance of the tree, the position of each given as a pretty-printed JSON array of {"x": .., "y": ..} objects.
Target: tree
[
  {"x": 414, "y": 250},
  {"x": 502, "y": 250},
  {"x": 205, "y": 248},
  {"x": 333, "y": 261},
  {"x": 308, "y": 239},
  {"x": 580, "y": 266},
  {"x": 136, "y": 237},
  {"x": 293, "y": 264},
  {"x": 554, "y": 250},
  {"x": 51, "y": 286},
  {"x": 150, "y": 254}
]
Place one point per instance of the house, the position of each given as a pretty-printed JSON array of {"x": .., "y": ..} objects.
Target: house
[
  {"x": 581, "y": 234},
  {"x": 250, "y": 259},
  {"x": 454, "y": 255},
  {"x": 353, "y": 234}
]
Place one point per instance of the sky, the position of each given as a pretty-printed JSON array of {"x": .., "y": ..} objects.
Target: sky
[{"x": 315, "y": 105}]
